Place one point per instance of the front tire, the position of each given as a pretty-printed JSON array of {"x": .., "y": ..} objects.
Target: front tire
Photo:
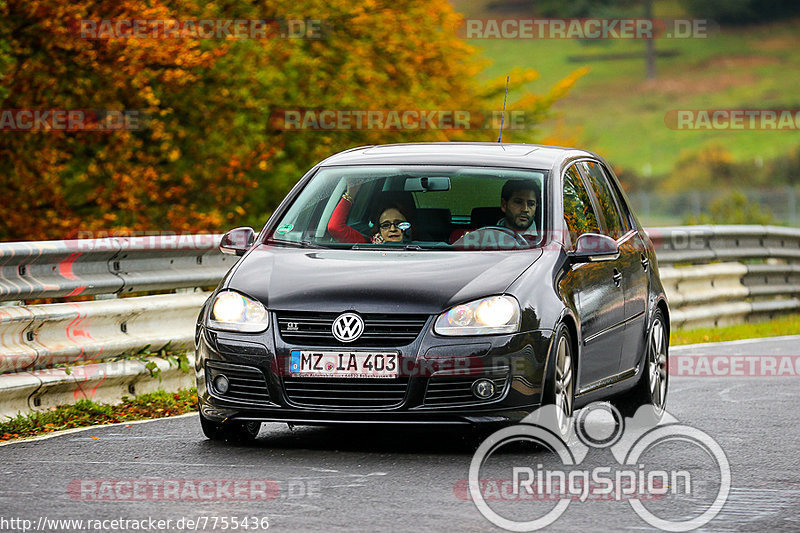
[
  {"x": 560, "y": 389},
  {"x": 234, "y": 432},
  {"x": 652, "y": 386}
]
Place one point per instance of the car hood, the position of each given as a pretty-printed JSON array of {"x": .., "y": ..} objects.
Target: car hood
[{"x": 372, "y": 281}]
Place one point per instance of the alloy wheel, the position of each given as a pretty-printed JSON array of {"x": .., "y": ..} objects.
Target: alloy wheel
[
  {"x": 657, "y": 366},
  {"x": 563, "y": 384}
]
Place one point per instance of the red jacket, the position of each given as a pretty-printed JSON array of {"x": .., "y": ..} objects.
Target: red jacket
[{"x": 337, "y": 224}]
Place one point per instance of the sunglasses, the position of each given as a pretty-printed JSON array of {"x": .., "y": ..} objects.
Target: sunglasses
[{"x": 399, "y": 224}]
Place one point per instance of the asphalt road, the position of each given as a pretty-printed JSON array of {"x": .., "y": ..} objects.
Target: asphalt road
[{"x": 393, "y": 479}]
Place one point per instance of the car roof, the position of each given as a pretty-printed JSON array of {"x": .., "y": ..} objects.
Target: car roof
[{"x": 459, "y": 153}]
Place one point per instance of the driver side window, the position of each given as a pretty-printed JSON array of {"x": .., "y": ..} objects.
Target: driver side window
[{"x": 579, "y": 213}]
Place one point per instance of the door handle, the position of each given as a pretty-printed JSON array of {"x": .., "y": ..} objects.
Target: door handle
[
  {"x": 617, "y": 277},
  {"x": 645, "y": 262}
]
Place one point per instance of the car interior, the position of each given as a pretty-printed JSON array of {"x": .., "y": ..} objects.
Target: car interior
[{"x": 442, "y": 207}]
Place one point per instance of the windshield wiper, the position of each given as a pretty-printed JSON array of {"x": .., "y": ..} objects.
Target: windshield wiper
[
  {"x": 298, "y": 244},
  {"x": 360, "y": 246}
]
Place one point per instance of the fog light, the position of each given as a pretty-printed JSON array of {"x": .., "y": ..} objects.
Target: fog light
[
  {"x": 483, "y": 388},
  {"x": 221, "y": 383}
]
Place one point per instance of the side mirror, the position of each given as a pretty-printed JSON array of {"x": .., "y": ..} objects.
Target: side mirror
[
  {"x": 237, "y": 241},
  {"x": 593, "y": 247}
]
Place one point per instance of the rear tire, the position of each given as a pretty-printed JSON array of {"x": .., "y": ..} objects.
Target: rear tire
[
  {"x": 235, "y": 432},
  {"x": 652, "y": 386}
]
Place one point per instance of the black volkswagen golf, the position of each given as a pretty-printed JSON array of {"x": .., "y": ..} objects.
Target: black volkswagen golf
[{"x": 440, "y": 283}]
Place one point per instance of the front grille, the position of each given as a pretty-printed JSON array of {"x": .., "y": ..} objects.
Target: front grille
[
  {"x": 456, "y": 390},
  {"x": 247, "y": 383},
  {"x": 314, "y": 329},
  {"x": 355, "y": 393}
]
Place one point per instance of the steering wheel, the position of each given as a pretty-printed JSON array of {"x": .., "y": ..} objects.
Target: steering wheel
[{"x": 480, "y": 240}]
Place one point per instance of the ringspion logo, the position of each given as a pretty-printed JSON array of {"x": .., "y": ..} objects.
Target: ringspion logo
[{"x": 562, "y": 476}]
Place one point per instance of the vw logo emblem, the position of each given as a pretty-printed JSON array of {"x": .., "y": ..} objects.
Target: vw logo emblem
[{"x": 347, "y": 327}]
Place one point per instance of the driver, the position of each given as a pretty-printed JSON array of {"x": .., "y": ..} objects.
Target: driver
[{"x": 518, "y": 201}]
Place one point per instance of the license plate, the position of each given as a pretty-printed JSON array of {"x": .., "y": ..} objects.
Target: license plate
[{"x": 312, "y": 363}]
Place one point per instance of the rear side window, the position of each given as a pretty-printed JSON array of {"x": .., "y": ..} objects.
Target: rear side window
[
  {"x": 614, "y": 225},
  {"x": 579, "y": 213},
  {"x": 628, "y": 220}
]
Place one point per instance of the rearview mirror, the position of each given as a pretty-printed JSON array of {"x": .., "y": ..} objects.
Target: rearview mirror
[
  {"x": 237, "y": 241},
  {"x": 438, "y": 183},
  {"x": 593, "y": 247}
]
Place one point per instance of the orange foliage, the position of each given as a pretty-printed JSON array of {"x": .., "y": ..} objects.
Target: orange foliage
[{"x": 206, "y": 156}]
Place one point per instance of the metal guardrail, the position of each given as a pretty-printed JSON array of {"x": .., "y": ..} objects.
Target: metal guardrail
[
  {"x": 115, "y": 265},
  {"x": 104, "y": 382},
  {"x": 33, "y": 337},
  {"x": 703, "y": 244},
  {"x": 88, "y": 337},
  {"x": 713, "y": 275},
  {"x": 718, "y": 275}
]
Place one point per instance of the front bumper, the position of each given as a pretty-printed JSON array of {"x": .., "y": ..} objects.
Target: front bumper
[{"x": 434, "y": 386}]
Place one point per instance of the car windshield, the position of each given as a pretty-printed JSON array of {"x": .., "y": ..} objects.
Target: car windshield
[{"x": 416, "y": 207}]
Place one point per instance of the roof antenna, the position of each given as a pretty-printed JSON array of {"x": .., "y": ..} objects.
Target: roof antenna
[{"x": 503, "y": 115}]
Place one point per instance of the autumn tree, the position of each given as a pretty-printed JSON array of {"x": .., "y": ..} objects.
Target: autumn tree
[{"x": 206, "y": 155}]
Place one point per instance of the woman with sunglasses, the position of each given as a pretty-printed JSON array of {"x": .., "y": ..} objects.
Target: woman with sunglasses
[{"x": 391, "y": 222}]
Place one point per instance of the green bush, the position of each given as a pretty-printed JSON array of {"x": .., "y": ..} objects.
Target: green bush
[
  {"x": 732, "y": 208},
  {"x": 714, "y": 167}
]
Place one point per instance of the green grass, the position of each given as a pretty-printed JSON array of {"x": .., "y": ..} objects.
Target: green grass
[
  {"x": 783, "y": 326},
  {"x": 614, "y": 111},
  {"x": 89, "y": 413}
]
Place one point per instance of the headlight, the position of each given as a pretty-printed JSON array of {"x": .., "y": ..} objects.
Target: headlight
[
  {"x": 488, "y": 316},
  {"x": 233, "y": 312}
]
